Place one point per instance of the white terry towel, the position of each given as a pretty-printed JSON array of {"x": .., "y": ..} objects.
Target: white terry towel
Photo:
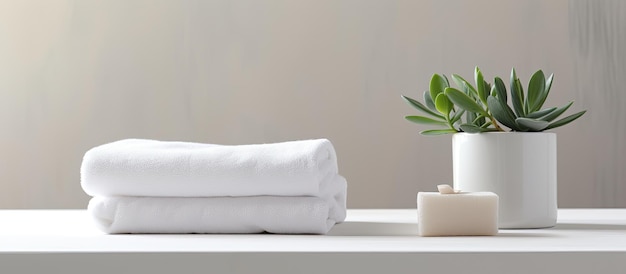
[
  {"x": 136, "y": 167},
  {"x": 255, "y": 214}
]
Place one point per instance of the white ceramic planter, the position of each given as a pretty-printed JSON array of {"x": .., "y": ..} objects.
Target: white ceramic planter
[{"x": 520, "y": 167}]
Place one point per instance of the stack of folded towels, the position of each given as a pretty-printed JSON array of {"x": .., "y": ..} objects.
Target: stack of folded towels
[{"x": 148, "y": 186}]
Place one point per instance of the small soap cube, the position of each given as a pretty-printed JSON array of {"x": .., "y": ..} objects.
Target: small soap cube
[{"x": 457, "y": 214}]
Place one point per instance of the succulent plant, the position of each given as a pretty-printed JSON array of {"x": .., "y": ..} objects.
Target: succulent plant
[{"x": 485, "y": 106}]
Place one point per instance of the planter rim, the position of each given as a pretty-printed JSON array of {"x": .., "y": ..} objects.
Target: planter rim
[{"x": 506, "y": 132}]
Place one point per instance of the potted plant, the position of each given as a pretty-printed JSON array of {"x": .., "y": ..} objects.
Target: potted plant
[{"x": 500, "y": 146}]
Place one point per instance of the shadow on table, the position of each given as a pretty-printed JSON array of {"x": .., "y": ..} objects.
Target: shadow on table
[
  {"x": 575, "y": 226},
  {"x": 373, "y": 229},
  {"x": 411, "y": 229},
  {"x": 506, "y": 233}
]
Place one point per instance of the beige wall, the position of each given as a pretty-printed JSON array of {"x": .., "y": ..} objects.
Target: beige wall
[{"x": 75, "y": 74}]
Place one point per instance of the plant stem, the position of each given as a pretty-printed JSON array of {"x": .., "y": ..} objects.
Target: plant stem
[
  {"x": 495, "y": 123},
  {"x": 493, "y": 120},
  {"x": 452, "y": 127},
  {"x": 450, "y": 123}
]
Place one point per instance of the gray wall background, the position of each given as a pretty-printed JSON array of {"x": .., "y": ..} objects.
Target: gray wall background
[{"x": 76, "y": 74}]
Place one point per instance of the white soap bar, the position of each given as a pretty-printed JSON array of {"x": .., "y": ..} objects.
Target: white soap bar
[{"x": 457, "y": 214}]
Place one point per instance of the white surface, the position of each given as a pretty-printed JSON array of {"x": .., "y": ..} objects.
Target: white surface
[
  {"x": 457, "y": 214},
  {"x": 518, "y": 166},
  {"x": 62, "y": 231},
  {"x": 371, "y": 241}
]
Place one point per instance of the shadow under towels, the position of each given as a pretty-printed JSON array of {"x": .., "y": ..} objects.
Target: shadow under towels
[{"x": 148, "y": 186}]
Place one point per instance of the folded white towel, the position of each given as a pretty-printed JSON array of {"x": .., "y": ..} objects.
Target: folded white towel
[
  {"x": 136, "y": 167},
  {"x": 285, "y": 215}
]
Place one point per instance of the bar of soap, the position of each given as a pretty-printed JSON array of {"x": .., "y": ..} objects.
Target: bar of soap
[{"x": 457, "y": 213}]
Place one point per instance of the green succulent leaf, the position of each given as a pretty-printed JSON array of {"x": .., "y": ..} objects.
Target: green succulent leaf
[
  {"x": 503, "y": 113},
  {"x": 463, "y": 101},
  {"x": 549, "y": 82},
  {"x": 469, "y": 128},
  {"x": 565, "y": 120},
  {"x": 532, "y": 124},
  {"x": 446, "y": 78},
  {"x": 487, "y": 88},
  {"x": 520, "y": 90},
  {"x": 458, "y": 80},
  {"x": 546, "y": 91},
  {"x": 414, "y": 103},
  {"x": 462, "y": 83},
  {"x": 522, "y": 128},
  {"x": 476, "y": 121},
  {"x": 457, "y": 116},
  {"x": 540, "y": 113},
  {"x": 556, "y": 113},
  {"x": 485, "y": 105},
  {"x": 517, "y": 97},
  {"x": 438, "y": 131},
  {"x": 425, "y": 120},
  {"x": 470, "y": 117},
  {"x": 500, "y": 90},
  {"x": 437, "y": 85},
  {"x": 429, "y": 101},
  {"x": 480, "y": 85},
  {"x": 443, "y": 104},
  {"x": 536, "y": 90},
  {"x": 480, "y": 121}
]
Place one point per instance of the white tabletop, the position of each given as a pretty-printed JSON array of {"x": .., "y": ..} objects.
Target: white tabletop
[{"x": 594, "y": 235}]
